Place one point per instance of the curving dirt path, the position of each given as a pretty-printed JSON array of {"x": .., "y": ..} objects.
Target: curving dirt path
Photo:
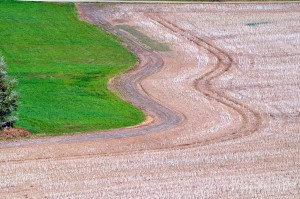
[{"x": 220, "y": 84}]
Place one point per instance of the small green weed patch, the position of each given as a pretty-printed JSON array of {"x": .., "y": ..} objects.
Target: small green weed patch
[
  {"x": 258, "y": 23},
  {"x": 153, "y": 44}
]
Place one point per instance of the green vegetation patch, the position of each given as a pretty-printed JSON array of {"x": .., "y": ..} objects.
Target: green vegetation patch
[
  {"x": 153, "y": 44},
  {"x": 63, "y": 66},
  {"x": 257, "y": 23}
]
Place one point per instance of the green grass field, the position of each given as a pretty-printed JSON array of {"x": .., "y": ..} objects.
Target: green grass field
[{"x": 63, "y": 66}]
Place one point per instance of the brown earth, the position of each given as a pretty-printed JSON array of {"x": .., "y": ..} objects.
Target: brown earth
[
  {"x": 223, "y": 106},
  {"x": 14, "y": 133}
]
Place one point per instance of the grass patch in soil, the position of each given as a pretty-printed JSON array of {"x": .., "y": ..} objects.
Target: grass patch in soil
[
  {"x": 63, "y": 66},
  {"x": 258, "y": 23},
  {"x": 153, "y": 44}
]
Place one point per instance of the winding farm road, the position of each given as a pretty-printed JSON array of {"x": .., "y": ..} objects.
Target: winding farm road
[{"x": 220, "y": 84}]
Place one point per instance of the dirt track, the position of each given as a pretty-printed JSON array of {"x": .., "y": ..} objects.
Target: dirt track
[{"x": 224, "y": 103}]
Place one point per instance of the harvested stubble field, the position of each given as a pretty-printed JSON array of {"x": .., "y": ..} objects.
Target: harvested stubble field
[{"x": 223, "y": 105}]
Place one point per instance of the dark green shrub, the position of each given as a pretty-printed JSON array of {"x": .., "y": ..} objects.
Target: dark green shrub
[{"x": 8, "y": 98}]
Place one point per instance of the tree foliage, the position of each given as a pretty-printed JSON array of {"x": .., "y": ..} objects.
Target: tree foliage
[{"x": 8, "y": 98}]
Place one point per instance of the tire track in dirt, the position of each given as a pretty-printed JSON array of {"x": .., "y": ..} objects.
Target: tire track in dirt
[
  {"x": 129, "y": 84},
  {"x": 251, "y": 119}
]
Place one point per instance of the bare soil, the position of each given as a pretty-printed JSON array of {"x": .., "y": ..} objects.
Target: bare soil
[
  {"x": 223, "y": 106},
  {"x": 14, "y": 133}
]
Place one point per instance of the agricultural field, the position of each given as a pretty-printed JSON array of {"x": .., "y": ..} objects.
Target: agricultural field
[
  {"x": 63, "y": 66},
  {"x": 220, "y": 86}
]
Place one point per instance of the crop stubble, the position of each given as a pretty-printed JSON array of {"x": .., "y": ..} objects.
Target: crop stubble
[{"x": 224, "y": 103}]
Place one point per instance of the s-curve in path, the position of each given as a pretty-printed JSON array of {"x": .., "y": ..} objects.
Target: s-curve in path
[{"x": 220, "y": 84}]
